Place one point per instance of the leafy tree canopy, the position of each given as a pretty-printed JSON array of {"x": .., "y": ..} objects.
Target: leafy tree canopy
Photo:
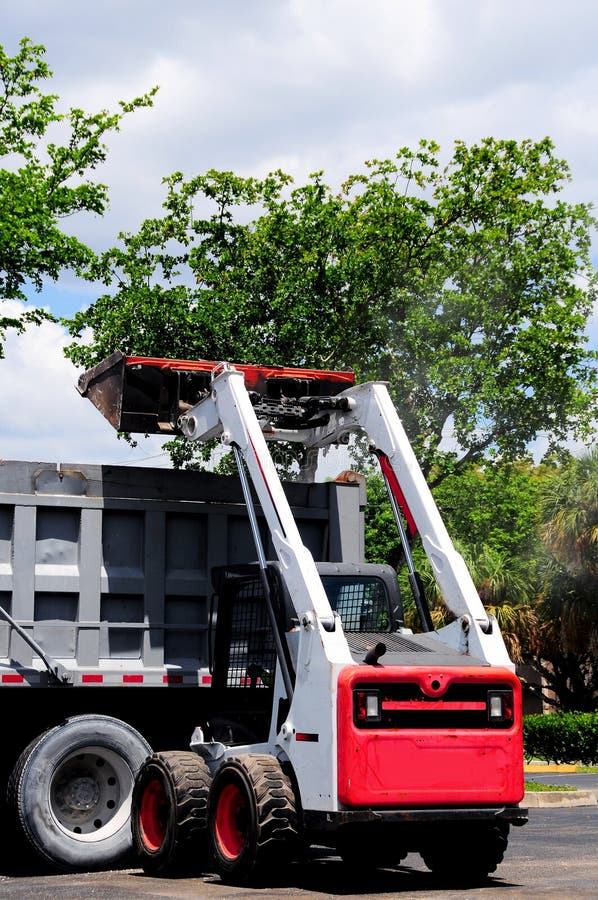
[
  {"x": 43, "y": 181},
  {"x": 467, "y": 287},
  {"x": 496, "y": 505}
]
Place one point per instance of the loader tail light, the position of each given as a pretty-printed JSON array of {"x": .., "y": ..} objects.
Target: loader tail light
[
  {"x": 500, "y": 707},
  {"x": 367, "y": 706}
]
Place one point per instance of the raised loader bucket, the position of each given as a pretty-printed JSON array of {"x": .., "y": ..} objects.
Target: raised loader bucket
[{"x": 144, "y": 395}]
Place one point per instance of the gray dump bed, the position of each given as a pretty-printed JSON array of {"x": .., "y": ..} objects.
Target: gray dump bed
[{"x": 107, "y": 568}]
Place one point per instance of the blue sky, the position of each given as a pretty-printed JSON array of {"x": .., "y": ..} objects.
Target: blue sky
[{"x": 298, "y": 84}]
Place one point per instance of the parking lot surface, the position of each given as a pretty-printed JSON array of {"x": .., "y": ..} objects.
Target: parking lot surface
[{"x": 554, "y": 855}]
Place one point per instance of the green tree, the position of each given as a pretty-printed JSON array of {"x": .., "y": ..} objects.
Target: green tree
[
  {"x": 496, "y": 504},
  {"x": 42, "y": 180},
  {"x": 466, "y": 287}
]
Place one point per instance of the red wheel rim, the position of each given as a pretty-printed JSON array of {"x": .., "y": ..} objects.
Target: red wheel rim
[
  {"x": 231, "y": 821},
  {"x": 152, "y": 815}
]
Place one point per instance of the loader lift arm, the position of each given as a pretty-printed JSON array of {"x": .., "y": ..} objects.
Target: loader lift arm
[{"x": 228, "y": 413}]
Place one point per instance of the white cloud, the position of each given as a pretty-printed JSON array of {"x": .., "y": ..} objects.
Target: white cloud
[{"x": 43, "y": 417}]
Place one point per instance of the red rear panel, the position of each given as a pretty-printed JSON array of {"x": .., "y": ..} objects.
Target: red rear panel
[{"x": 434, "y": 744}]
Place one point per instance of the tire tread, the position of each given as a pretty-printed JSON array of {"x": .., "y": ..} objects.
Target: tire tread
[
  {"x": 189, "y": 779},
  {"x": 276, "y": 837}
]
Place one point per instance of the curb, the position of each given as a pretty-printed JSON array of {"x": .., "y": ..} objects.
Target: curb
[
  {"x": 539, "y": 768},
  {"x": 555, "y": 799}
]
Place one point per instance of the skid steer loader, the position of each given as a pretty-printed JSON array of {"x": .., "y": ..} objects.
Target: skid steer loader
[{"x": 329, "y": 722}]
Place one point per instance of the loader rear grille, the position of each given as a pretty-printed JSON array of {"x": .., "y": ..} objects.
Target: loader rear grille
[{"x": 361, "y": 643}]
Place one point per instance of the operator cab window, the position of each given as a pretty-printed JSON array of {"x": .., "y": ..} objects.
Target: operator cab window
[{"x": 362, "y": 603}]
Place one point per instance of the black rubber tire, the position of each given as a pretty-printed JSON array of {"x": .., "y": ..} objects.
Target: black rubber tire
[
  {"x": 252, "y": 819},
  {"x": 169, "y": 813},
  {"x": 486, "y": 846},
  {"x": 70, "y": 792}
]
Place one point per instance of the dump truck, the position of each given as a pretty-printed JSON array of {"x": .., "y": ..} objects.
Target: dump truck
[
  {"x": 326, "y": 721},
  {"x": 105, "y": 593}
]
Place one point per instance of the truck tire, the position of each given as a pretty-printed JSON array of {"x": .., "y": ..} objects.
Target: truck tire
[
  {"x": 71, "y": 792},
  {"x": 169, "y": 813},
  {"x": 252, "y": 819},
  {"x": 486, "y": 846}
]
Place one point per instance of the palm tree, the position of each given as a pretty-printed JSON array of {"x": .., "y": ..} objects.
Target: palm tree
[
  {"x": 565, "y": 648},
  {"x": 569, "y": 515}
]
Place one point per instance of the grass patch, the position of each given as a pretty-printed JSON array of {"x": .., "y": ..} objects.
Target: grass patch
[
  {"x": 536, "y": 787},
  {"x": 592, "y": 770}
]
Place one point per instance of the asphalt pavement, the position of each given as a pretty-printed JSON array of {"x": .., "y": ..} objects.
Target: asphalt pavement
[
  {"x": 587, "y": 781},
  {"x": 553, "y": 855}
]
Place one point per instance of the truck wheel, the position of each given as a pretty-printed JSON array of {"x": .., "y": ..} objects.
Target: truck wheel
[
  {"x": 486, "y": 848},
  {"x": 169, "y": 813},
  {"x": 71, "y": 791},
  {"x": 252, "y": 821}
]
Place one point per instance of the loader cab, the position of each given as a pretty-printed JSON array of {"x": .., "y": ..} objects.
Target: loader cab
[
  {"x": 365, "y": 596},
  {"x": 242, "y": 646}
]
